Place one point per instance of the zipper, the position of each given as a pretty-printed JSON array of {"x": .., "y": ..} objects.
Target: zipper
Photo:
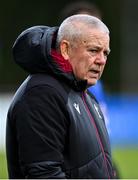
[{"x": 97, "y": 133}]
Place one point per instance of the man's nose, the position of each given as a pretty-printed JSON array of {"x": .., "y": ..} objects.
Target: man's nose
[{"x": 101, "y": 58}]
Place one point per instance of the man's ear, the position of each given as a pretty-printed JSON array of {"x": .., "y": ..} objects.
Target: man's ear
[{"x": 64, "y": 49}]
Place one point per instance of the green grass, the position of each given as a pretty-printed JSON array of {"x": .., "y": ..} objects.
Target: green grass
[
  {"x": 126, "y": 160},
  {"x": 3, "y": 166}
]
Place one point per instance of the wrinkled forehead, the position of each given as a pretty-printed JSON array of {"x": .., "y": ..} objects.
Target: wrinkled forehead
[
  {"x": 95, "y": 36},
  {"x": 97, "y": 31}
]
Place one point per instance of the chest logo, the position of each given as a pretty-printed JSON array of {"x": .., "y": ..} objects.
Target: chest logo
[
  {"x": 97, "y": 110},
  {"x": 76, "y": 106}
]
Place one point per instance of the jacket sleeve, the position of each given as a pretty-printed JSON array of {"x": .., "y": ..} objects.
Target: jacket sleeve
[{"x": 41, "y": 123}]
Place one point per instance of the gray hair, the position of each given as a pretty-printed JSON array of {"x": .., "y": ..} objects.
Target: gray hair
[{"x": 71, "y": 30}]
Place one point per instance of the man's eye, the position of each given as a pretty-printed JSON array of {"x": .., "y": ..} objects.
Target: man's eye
[{"x": 93, "y": 50}]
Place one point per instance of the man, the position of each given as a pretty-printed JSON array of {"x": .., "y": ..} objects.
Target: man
[
  {"x": 90, "y": 8},
  {"x": 55, "y": 128}
]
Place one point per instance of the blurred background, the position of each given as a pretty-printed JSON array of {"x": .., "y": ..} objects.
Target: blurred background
[{"x": 120, "y": 77}]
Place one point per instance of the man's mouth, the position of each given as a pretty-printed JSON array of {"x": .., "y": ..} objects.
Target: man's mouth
[{"x": 94, "y": 71}]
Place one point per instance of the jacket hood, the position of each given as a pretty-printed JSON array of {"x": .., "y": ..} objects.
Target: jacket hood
[
  {"x": 31, "y": 47},
  {"x": 34, "y": 51}
]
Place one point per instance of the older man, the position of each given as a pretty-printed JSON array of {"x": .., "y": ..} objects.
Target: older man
[{"x": 55, "y": 128}]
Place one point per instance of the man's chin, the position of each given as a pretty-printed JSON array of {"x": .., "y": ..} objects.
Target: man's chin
[{"x": 91, "y": 83}]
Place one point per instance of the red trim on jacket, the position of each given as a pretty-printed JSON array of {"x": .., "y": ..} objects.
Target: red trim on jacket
[{"x": 59, "y": 59}]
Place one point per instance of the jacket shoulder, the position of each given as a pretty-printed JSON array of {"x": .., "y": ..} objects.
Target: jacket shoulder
[{"x": 35, "y": 82}]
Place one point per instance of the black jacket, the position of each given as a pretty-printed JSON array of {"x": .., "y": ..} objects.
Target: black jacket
[{"x": 55, "y": 129}]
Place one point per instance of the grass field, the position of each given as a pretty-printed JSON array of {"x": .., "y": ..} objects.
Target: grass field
[
  {"x": 126, "y": 160},
  {"x": 3, "y": 166}
]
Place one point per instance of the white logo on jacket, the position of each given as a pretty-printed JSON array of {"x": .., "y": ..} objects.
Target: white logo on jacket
[
  {"x": 77, "y": 107},
  {"x": 97, "y": 110}
]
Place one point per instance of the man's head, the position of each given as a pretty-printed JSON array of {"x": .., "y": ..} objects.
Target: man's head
[{"x": 83, "y": 40}]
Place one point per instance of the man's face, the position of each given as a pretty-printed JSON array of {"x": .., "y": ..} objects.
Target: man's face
[{"x": 89, "y": 56}]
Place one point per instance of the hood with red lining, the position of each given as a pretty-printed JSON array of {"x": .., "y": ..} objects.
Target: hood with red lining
[{"x": 34, "y": 51}]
